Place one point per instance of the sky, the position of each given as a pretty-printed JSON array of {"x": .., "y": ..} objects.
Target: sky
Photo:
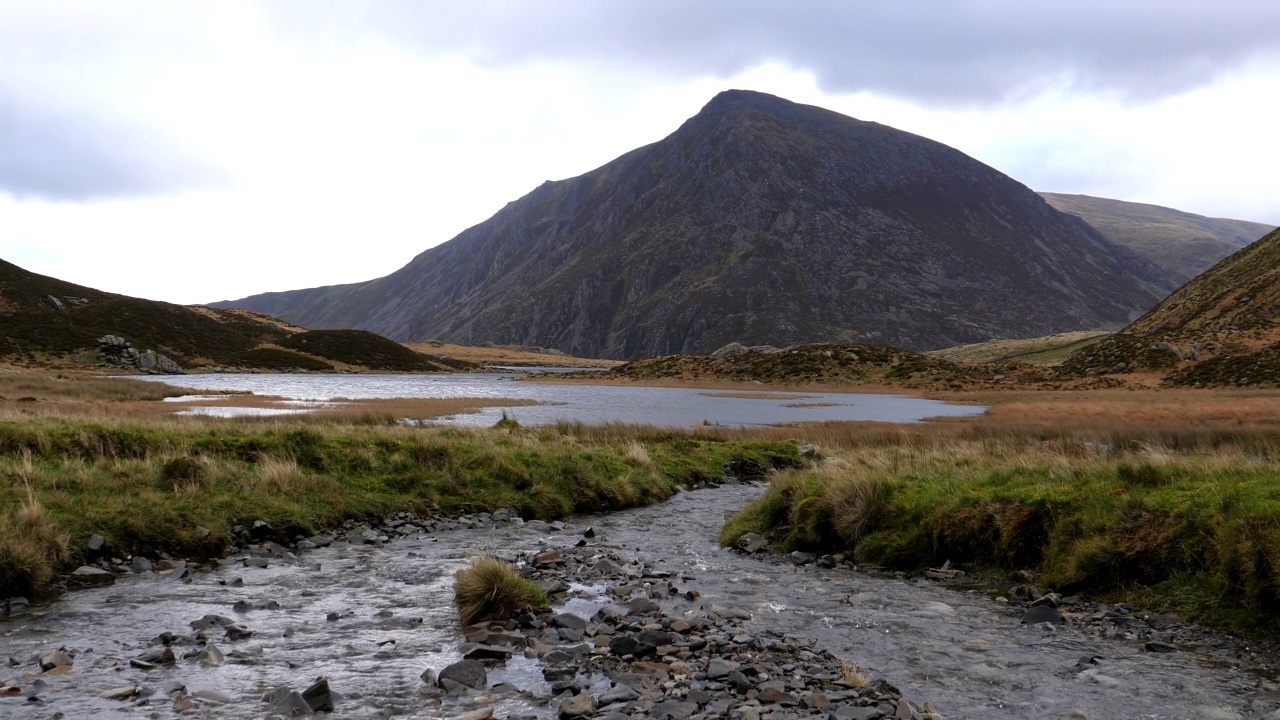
[{"x": 200, "y": 151}]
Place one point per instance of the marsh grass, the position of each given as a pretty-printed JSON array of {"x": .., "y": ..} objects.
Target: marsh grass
[
  {"x": 490, "y": 589},
  {"x": 1190, "y": 531},
  {"x": 32, "y": 547},
  {"x": 146, "y": 486}
]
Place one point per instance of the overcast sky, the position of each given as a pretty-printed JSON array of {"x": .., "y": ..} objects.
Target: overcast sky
[{"x": 193, "y": 152}]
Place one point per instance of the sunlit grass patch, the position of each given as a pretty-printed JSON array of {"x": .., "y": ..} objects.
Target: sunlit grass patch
[{"x": 490, "y": 589}]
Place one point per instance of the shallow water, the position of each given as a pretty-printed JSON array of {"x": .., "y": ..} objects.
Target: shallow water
[
  {"x": 590, "y": 404},
  {"x": 912, "y": 634}
]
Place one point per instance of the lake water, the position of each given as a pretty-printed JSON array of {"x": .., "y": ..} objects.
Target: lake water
[{"x": 589, "y": 404}]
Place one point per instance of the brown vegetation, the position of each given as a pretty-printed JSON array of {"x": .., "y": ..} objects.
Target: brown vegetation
[{"x": 491, "y": 589}]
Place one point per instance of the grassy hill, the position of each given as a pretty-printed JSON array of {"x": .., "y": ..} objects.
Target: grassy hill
[
  {"x": 1182, "y": 243},
  {"x": 1048, "y": 350},
  {"x": 44, "y": 320}
]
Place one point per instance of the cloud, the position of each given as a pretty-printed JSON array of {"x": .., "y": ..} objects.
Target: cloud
[
  {"x": 940, "y": 52},
  {"x": 53, "y": 152}
]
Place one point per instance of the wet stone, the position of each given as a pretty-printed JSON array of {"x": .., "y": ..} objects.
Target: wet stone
[{"x": 468, "y": 673}]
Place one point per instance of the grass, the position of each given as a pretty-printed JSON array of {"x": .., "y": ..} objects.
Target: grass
[
  {"x": 32, "y": 547},
  {"x": 147, "y": 485},
  {"x": 1193, "y": 531},
  {"x": 491, "y": 589}
]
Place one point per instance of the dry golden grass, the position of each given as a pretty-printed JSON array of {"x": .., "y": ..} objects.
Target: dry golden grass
[
  {"x": 31, "y": 548},
  {"x": 636, "y": 453},
  {"x": 854, "y": 675}
]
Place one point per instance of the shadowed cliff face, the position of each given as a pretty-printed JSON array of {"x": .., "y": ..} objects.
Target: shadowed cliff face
[{"x": 759, "y": 221}]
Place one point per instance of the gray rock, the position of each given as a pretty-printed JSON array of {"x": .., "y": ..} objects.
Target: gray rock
[
  {"x": 288, "y": 702},
  {"x": 96, "y": 541},
  {"x": 617, "y": 694},
  {"x": 1042, "y": 613},
  {"x": 569, "y": 620},
  {"x": 752, "y": 543},
  {"x": 719, "y": 668},
  {"x": 470, "y": 673},
  {"x": 577, "y": 706},
  {"x": 318, "y": 696},
  {"x": 90, "y": 576},
  {"x": 140, "y": 564}
]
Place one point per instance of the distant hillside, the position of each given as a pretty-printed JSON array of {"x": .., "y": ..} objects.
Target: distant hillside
[
  {"x": 1240, "y": 292},
  {"x": 760, "y": 221},
  {"x": 1220, "y": 329},
  {"x": 1182, "y": 244},
  {"x": 43, "y": 319},
  {"x": 1048, "y": 350}
]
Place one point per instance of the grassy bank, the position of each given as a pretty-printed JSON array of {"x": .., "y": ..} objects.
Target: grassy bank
[
  {"x": 148, "y": 487},
  {"x": 1195, "y": 531}
]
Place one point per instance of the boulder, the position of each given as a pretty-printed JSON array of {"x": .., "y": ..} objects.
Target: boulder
[{"x": 470, "y": 673}]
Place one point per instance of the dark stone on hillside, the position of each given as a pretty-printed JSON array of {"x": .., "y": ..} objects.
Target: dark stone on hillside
[
  {"x": 96, "y": 541},
  {"x": 1042, "y": 613},
  {"x": 470, "y": 673}
]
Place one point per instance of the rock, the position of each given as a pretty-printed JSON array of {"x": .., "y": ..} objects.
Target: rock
[
  {"x": 96, "y": 541},
  {"x": 1042, "y": 613},
  {"x": 752, "y": 543},
  {"x": 1024, "y": 576},
  {"x": 719, "y": 668},
  {"x": 51, "y": 659},
  {"x": 121, "y": 693},
  {"x": 318, "y": 696},
  {"x": 470, "y": 673},
  {"x": 474, "y": 651},
  {"x": 577, "y": 706},
  {"x": 428, "y": 676},
  {"x": 547, "y": 558},
  {"x": 569, "y": 620},
  {"x": 1159, "y": 647},
  {"x": 617, "y": 694},
  {"x": 806, "y": 450},
  {"x": 86, "y": 576},
  {"x": 140, "y": 564},
  {"x": 1050, "y": 599},
  {"x": 288, "y": 702},
  {"x": 213, "y": 696}
]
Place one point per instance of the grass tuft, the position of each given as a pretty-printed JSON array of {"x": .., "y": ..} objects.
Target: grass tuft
[
  {"x": 32, "y": 548},
  {"x": 491, "y": 589}
]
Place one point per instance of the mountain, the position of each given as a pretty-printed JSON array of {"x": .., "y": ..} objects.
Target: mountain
[
  {"x": 1240, "y": 293},
  {"x": 761, "y": 221},
  {"x": 1222, "y": 329},
  {"x": 48, "y": 321},
  {"x": 1181, "y": 243}
]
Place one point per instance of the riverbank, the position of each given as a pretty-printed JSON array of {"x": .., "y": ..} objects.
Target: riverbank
[
  {"x": 1179, "y": 523},
  {"x": 183, "y": 487}
]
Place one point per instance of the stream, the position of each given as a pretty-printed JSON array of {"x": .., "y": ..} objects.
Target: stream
[{"x": 393, "y": 619}]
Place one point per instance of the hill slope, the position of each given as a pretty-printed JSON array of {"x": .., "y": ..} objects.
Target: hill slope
[
  {"x": 43, "y": 319},
  {"x": 760, "y": 221},
  {"x": 1181, "y": 243}
]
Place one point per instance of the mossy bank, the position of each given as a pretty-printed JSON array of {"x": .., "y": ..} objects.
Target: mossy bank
[
  {"x": 180, "y": 488},
  {"x": 1193, "y": 532}
]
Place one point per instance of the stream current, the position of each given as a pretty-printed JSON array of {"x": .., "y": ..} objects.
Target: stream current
[{"x": 395, "y": 620}]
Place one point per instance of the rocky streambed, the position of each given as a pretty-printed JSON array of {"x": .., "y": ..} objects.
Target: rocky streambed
[{"x": 653, "y": 620}]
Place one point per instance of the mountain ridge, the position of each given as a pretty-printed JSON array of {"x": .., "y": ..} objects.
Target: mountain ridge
[
  {"x": 1183, "y": 244},
  {"x": 762, "y": 221}
]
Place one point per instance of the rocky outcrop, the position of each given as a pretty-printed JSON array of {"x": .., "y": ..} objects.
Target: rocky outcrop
[
  {"x": 758, "y": 221},
  {"x": 115, "y": 350}
]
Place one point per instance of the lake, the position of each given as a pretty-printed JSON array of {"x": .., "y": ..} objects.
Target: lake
[{"x": 589, "y": 404}]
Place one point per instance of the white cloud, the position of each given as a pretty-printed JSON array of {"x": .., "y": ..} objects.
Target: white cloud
[{"x": 340, "y": 155}]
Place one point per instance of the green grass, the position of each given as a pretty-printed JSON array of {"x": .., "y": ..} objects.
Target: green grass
[
  {"x": 1192, "y": 534},
  {"x": 147, "y": 487},
  {"x": 490, "y": 589}
]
